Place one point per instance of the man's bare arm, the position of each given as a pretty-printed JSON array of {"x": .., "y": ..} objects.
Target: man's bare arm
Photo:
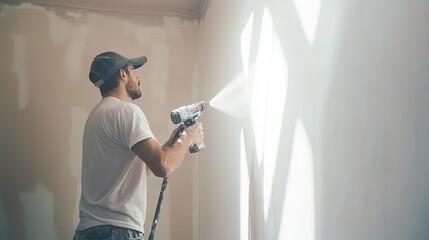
[{"x": 163, "y": 160}]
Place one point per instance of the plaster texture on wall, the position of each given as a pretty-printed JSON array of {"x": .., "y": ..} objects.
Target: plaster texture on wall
[
  {"x": 46, "y": 97},
  {"x": 353, "y": 133}
]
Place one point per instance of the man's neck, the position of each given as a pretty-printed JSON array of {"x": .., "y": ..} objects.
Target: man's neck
[{"x": 121, "y": 95}]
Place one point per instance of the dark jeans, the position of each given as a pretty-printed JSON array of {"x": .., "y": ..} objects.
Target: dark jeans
[{"x": 107, "y": 232}]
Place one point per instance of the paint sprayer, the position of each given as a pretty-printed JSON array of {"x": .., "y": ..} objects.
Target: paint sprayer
[{"x": 187, "y": 115}]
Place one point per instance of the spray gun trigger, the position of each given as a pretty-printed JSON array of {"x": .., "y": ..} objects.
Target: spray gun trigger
[
  {"x": 179, "y": 132},
  {"x": 190, "y": 122}
]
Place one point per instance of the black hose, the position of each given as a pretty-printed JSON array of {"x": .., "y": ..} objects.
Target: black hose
[{"x": 158, "y": 209}]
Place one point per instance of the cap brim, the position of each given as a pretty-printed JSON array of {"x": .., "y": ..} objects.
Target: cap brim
[{"x": 137, "y": 62}]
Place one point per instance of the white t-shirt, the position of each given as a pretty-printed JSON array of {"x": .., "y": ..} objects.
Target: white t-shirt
[{"x": 113, "y": 177}]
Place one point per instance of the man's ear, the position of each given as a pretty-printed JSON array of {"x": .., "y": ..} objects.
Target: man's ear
[{"x": 122, "y": 73}]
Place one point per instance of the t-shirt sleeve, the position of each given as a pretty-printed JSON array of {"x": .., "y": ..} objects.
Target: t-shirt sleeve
[{"x": 132, "y": 125}]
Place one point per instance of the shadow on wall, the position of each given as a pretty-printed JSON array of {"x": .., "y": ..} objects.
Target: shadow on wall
[{"x": 38, "y": 188}]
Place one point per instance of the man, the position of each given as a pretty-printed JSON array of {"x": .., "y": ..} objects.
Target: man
[{"x": 119, "y": 149}]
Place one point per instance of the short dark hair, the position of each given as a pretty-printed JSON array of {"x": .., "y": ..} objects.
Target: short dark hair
[{"x": 112, "y": 82}]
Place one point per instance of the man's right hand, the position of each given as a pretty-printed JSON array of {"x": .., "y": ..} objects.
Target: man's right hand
[{"x": 195, "y": 132}]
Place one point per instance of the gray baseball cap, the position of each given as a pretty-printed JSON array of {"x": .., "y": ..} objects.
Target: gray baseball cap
[{"x": 106, "y": 64}]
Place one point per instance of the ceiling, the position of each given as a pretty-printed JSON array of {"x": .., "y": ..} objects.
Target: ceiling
[{"x": 194, "y": 9}]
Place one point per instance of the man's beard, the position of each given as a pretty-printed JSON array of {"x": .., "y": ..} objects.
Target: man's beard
[{"x": 133, "y": 91}]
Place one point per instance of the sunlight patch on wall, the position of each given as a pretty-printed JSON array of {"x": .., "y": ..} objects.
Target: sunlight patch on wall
[
  {"x": 298, "y": 217},
  {"x": 244, "y": 191},
  {"x": 246, "y": 40},
  {"x": 258, "y": 101},
  {"x": 268, "y": 102},
  {"x": 308, "y": 12},
  {"x": 19, "y": 66}
]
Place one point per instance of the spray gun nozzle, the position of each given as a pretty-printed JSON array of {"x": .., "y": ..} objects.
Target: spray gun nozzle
[{"x": 203, "y": 105}]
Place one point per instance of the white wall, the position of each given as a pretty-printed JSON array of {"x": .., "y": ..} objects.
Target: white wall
[
  {"x": 331, "y": 139},
  {"x": 45, "y": 96}
]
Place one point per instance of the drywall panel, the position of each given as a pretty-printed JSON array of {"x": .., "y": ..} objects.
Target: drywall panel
[
  {"x": 319, "y": 122},
  {"x": 46, "y": 97}
]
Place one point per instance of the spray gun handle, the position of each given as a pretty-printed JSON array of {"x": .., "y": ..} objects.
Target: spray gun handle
[
  {"x": 178, "y": 133},
  {"x": 195, "y": 147}
]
